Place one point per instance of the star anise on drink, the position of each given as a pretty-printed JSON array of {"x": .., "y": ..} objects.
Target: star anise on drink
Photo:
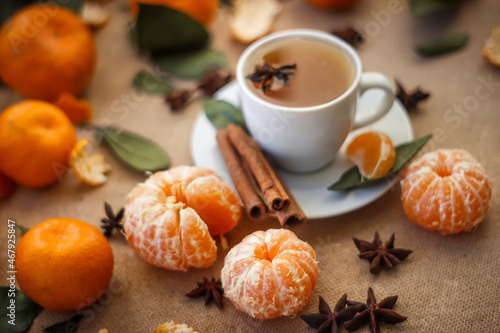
[
  {"x": 380, "y": 255},
  {"x": 328, "y": 321},
  {"x": 350, "y": 35},
  {"x": 112, "y": 221},
  {"x": 212, "y": 291},
  {"x": 267, "y": 74},
  {"x": 373, "y": 313},
  {"x": 410, "y": 101}
]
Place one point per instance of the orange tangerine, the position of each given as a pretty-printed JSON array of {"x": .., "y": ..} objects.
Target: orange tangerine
[
  {"x": 446, "y": 190},
  {"x": 170, "y": 217},
  {"x": 373, "y": 153},
  {"x": 64, "y": 264},
  {"x": 79, "y": 111},
  {"x": 270, "y": 273}
]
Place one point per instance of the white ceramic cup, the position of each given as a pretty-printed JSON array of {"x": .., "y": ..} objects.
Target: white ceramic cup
[{"x": 302, "y": 139}]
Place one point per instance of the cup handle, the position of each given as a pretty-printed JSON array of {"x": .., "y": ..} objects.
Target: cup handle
[{"x": 370, "y": 80}]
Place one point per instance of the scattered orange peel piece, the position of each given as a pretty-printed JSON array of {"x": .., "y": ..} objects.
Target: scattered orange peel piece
[
  {"x": 253, "y": 19},
  {"x": 174, "y": 327},
  {"x": 95, "y": 15},
  {"x": 79, "y": 111},
  {"x": 90, "y": 170},
  {"x": 491, "y": 47}
]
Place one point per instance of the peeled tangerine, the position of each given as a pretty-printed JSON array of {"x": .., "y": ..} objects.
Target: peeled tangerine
[
  {"x": 446, "y": 190},
  {"x": 270, "y": 273},
  {"x": 169, "y": 218}
]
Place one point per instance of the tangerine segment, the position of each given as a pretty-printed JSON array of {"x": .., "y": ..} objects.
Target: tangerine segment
[
  {"x": 373, "y": 153},
  {"x": 446, "y": 190},
  {"x": 270, "y": 273}
]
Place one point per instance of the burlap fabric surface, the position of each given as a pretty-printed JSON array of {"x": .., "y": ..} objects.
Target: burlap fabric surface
[{"x": 448, "y": 284}]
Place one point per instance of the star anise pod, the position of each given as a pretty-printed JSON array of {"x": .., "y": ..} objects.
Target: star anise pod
[
  {"x": 213, "y": 81},
  {"x": 211, "y": 289},
  {"x": 326, "y": 320},
  {"x": 350, "y": 35},
  {"x": 410, "y": 101},
  {"x": 112, "y": 221},
  {"x": 179, "y": 99},
  {"x": 380, "y": 255},
  {"x": 373, "y": 313},
  {"x": 267, "y": 74}
]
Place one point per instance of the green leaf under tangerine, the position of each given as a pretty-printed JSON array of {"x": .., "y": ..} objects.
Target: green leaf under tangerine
[
  {"x": 25, "y": 310},
  {"x": 134, "y": 150},
  {"x": 68, "y": 326},
  {"x": 161, "y": 29},
  {"x": 352, "y": 179}
]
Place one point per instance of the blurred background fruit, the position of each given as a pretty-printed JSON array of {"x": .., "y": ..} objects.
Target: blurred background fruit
[
  {"x": 36, "y": 138},
  {"x": 7, "y": 186},
  {"x": 46, "y": 50},
  {"x": 332, "y": 4},
  {"x": 204, "y": 11},
  {"x": 64, "y": 264}
]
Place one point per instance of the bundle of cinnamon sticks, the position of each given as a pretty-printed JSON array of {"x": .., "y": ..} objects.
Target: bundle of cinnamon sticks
[{"x": 258, "y": 185}]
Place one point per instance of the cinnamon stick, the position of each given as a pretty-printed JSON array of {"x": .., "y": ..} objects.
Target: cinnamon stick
[
  {"x": 257, "y": 163},
  {"x": 293, "y": 215},
  {"x": 251, "y": 200}
]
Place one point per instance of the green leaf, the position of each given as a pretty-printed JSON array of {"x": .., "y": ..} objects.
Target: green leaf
[
  {"x": 426, "y": 7},
  {"x": 68, "y": 326},
  {"x": 152, "y": 84},
  {"x": 22, "y": 229},
  {"x": 222, "y": 113},
  {"x": 352, "y": 178},
  {"x": 25, "y": 310},
  {"x": 161, "y": 29},
  {"x": 443, "y": 45},
  {"x": 192, "y": 65},
  {"x": 74, "y": 5},
  {"x": 135, "y": 150}
]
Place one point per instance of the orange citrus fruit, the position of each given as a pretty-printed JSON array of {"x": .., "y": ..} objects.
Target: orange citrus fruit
[
  {"x": 270, "y": 273},
  {"x": 90, "y": 170},
  {"x": 169, "y": 218},
  {"x": 332, "y": 4},
  {"x": 64, "y": 264},
  {"x": 36, "y": 138},
  {"x": 7, "y": 186},
  {"x": 78, "y": 111},
  {"x": 446, "y": 190},
  {"x": 373, "y": 153},
  {"x": 204, "y": 11},
  {"x": 46, "y": 50}
]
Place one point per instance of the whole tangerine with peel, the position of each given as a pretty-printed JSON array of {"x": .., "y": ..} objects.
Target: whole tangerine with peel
[
  {"x": 332, "y": 4},
  {"x": 373, "y": 153},
  {"x": 64, "y": 264},
  {"x": 446, "y": 190},
  {"x": 36, "y": 139},
  {"x": 46, "y": 50},
  {"x": 270, "y": 274},
  {"x": 204, "y": 11},
  {"x": 169, "y": 219}
]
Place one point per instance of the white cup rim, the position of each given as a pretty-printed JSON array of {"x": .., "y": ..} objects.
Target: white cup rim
[{"x": 290, "y": 33}]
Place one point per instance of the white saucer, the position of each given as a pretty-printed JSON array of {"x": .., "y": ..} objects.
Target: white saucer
[{"x": 309, "y": 189}]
